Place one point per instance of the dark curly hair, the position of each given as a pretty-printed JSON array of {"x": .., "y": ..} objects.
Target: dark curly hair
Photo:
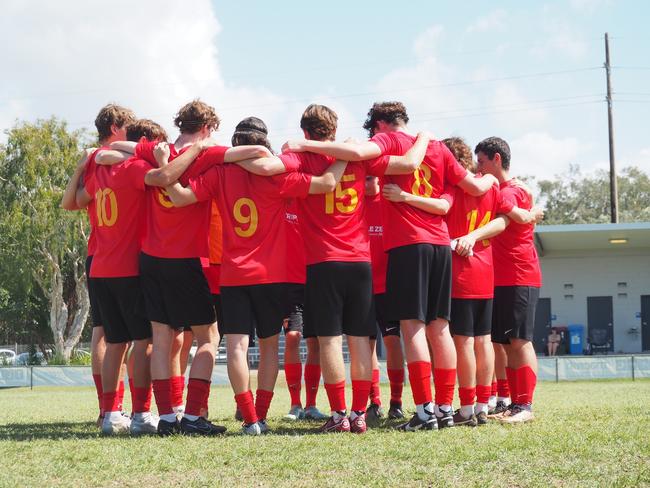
[
  {"x": 146, "y": 128},
  {"x": 193, "y": 116},
  {"x": 251, "y": 131},
  {"x": 493, "y": 145},
  {"x": 461, "y": 151},
  {"x": 111, "y": 115},
  {"x": 389, "y": 112},
  {"x": 320, "y": 122}
]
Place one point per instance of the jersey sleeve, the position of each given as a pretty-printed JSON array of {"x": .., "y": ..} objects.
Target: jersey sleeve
[
  {"x": 454, "y": 172},
  {"x": 144, "y": 150},
  {"x": 213, "y": 156},
  {"x": 291, "y": 161},
  {"x": 508, "y": 197},
  {"x": 502, "y": 205},
  {"x": 292, "y": 185},
  {"x": 385, "y": 143},
  {"x": 138, "y": 169},
  {"x": 377, "y": 166},
  {"x": 90, "y": 185},
  {"x": 449, "y": 194},
  {"x": 206, "y": 185}
]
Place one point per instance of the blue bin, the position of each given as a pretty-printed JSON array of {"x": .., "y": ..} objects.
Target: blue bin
[{"x": 576, "y": 333}]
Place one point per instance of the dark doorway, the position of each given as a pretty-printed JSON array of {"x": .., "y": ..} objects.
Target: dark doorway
[
  {"x": 600, "y": 317},
  {"x": 645, "y": 322},
  {"x": 542, "y": 325}
]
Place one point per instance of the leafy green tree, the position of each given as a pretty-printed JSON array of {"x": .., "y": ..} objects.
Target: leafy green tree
[
  {"x": 575, "y": 198},
  {"x": 42, "y": 281}
]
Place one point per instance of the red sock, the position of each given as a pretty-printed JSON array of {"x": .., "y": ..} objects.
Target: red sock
[
  {"x": 420, "y": 379},
  {"x": 120, "y": 394},
  {"x": 293, "y": 374},
  {"x": 312, "y": 380},
  {"x": 493, "y": 391},
  {"x": 247, "y": 406},
  {"x": 483, "y": 393},
  {"x": 503, "y": 390},
  {"x": 336, "y": 396},
  {"x": 444, "y": 380},
  {"x": 511, "y": 374},
  {"x": 177, "y": 386},
  {"x": 204, "y": 401},
  {"x": 111, "y": 401},
  {"x": 97, "y": 378},
  {"x": 526, "y": 382},
  {"x": 360, "y": 394},
  {"x": 162, "y": 393},
  {"x": 141, "y": 399},
  {"x": 396, "y": 379},
  {"x": 262, "y": 403},
  {"x": 375, "y": 392},
  {"x": 197, "y": 389},
  {"x": 467, "y": 395}
]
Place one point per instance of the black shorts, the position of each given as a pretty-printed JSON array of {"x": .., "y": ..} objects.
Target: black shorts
[
  {"x": 175, "y": 291},
  {"x": 338, "y": 299},
  {"x": 251, "y": 308},
  {"x": 92, "y": 295},
  {"x": 385, "y": 326},
  {"x": 418, "y": 283},
  {"x": 471, "y": 317},
  {"x": 121, "y": 309},
  {"x": 513, "y": 316}
]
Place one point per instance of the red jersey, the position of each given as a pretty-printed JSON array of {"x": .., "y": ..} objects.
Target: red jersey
[
  {"x": 178, "y": 232},
  {"x": 253, "y": 214},
  {"x": 515, "y": 256},
  {"x": 377, "y": 253},
  {"x": 333, "y": 224},
  {"x": 473, "y": 276},
  {"x": 119, "y": 195},
  {"x": 403, "y": 223},
  {"x": 89, "y": 173},
  {"x": 296, "y": 264}
]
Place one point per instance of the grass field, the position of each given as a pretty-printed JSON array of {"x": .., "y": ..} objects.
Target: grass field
[{"x": 585, "y": 434}]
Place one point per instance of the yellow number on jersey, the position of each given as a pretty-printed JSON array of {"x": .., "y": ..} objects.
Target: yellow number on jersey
[
  {"x": 104, "y": 217},
  {"x": 250, "y": 220},
  {"x": 163, "y": 198},
  {"x": 422, "y": 184},
  {"x": 473, "y": 217},
  {"x": 341, "y": 193}
]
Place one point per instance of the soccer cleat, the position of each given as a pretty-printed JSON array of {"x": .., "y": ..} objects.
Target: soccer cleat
[
  {"x": 333, "y": 425},
  {"x": 296, "y": 413},
  {"x": 144, "y": 423},
  {"x": 251, "y": 429},
  {"x": 264, "y": 427},
  {"x": 498, "y": 411},
  {"x": 358, "y": 425},
  {"x": 166, "y": 428},
  {"x": 446, "y": 419},
  {"x": 374, "y": 412},
  {"x": 416, "y": 423},
  {"x": 238, "y": 415},
  {"x": 470, "y": 421},
  {"x": 200, "y": 426},
  {"x": 481, "y": 418},
  {"x": 112, "y": 426},
  {"x": 312, "y": 413},
  {"x": 395, "y": 411},
  {"x": 518, "y": 414}
]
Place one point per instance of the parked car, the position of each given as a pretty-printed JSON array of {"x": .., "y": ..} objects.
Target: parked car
[
  {"x": 7, "y": 357},
  {"x": 24, "y": 360}
]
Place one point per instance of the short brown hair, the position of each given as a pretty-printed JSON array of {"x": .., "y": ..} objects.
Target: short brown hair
[
  {"x": 193, "y": 116},
  {"x": 320, "y": 122},
  {"x": 461, "y": 151},
  {"x": 389, "y": 112},
  {"x": 146, "y": 128},
  {"x": 111, "y": 115}
]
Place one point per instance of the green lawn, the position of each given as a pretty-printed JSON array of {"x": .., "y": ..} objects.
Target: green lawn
[{"x": 585, "y": 434}]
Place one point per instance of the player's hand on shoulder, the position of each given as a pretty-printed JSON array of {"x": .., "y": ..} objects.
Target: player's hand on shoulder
[
  {"x": 393, "y": 193},
  {"x": 296, "y": 145},
  {"x": 425, "y": 134},
  {"x": 520, "y": 184},
  {"x": 538, "y": 213},
  {"x": 207, "y": 143},
  {"x": 161, "y": 153},
  {"x": 85, "y": 155}
]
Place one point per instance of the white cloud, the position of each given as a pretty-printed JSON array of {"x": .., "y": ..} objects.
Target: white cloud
[
  {"x": 493, "y": 22},
  {"x": 558, "y": 36}
]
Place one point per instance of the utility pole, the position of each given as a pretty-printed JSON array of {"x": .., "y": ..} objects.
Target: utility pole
[{"x": 613, "y": 187}]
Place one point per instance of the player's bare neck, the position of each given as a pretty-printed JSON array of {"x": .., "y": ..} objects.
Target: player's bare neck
[
  {"x": 185, "y": 140},
  {"x": 503, "y": 176}
]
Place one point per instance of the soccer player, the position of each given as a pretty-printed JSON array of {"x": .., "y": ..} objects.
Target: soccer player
[
  {"x": 473, "y": 290},
  {"x": 388, "y": 329},
  {"x": 517, "y": 281},
  {"x": 111, "y": 122},
  {"x": 418, "y": 281},
  {"x": 339, "y": 281},
  {"x": 253, "y": 274}
]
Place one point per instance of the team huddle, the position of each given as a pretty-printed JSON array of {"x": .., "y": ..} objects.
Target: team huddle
[{"x": 399, "y": 235}]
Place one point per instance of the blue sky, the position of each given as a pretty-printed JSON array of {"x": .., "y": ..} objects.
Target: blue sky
[{"x": 530, "y": 72}]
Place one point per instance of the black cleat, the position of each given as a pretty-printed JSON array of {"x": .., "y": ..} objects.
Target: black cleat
[
  {"x": 416, "y": 423},
  {"x": 470, "y": 421},
  {"x": 374, "y": 412},
  {"x": 498, "y": 411},
  {"x": 481, "y": 418},
  {"x": 446, "y": 419},
  {"x": 395, "y": 411},
  {"x": 200, "y": 426},
  {"x": 167, "y": 428}
]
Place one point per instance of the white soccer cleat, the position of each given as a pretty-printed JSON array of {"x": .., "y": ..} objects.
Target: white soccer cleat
[
  {"x": 264, "y": 427},
  {"x": 144, "y": 423},
  {"x": 296, "y": 413},
  {"x": 115, "y": 425},
  {"x": 251, "y": 429},
  {"x": 312, "y": 413}
]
